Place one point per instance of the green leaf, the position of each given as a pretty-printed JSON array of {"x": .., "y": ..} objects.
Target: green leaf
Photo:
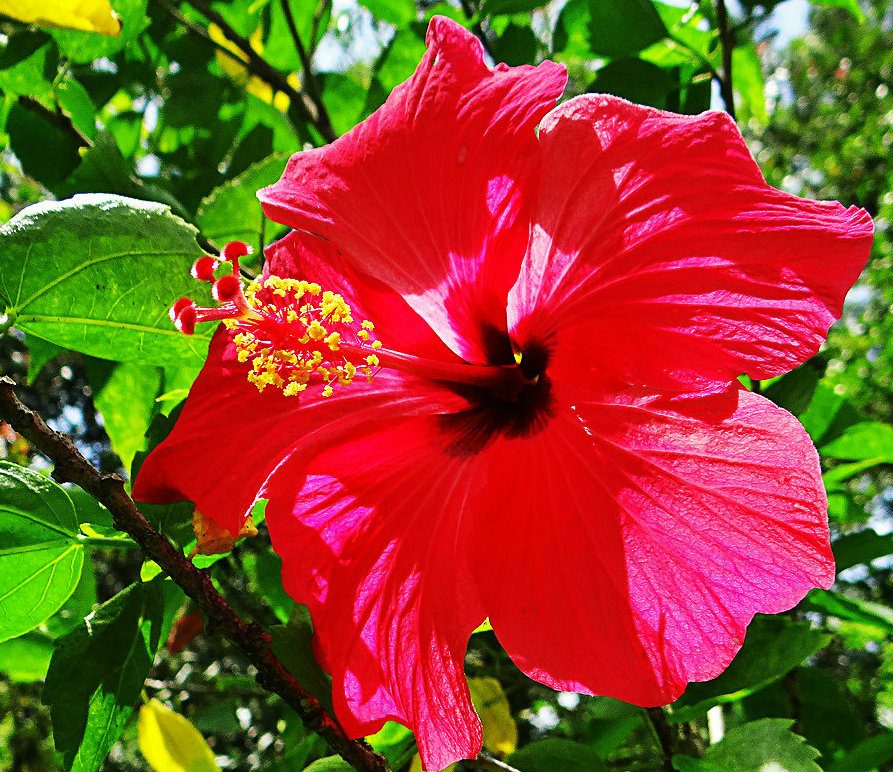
[
  {"x": 40, "y": 352},
  {"x": 79, "y": 606},
  {"x": 41, "y": 556},
  {"x": 77, "y": 104},
  {"x": 636, "y": 80},
  {"x": 850, "y": 6},
  {"x": 835, "y": 604},
  {"x": 293, "y": 644},
  {"x": 828, "y": 414},
  {"x": 125, "y": 394},
  {"x": 25, "y": 659},
  {"x": 749, "y": 83},
  {"x": 344, "y": 98},
  {"x": 329, "y": 764},
  {"x": 397, "y": 12},
  {"x": 98, "y": 670},
  {"x": 497, "y": 7},
  {"x": 755, "y": 747},
  {"x": 866, "y": 755},
  {"x": 862, "y": 441},
  {"x": 265, "y": 567},
  {"x": 556, "y": 755},
  {"x": 793, "y": 391},
  {"x": 516, "y": 45},
  {"x": 774, "y": 646},
  {"x": 396, "y": 64},
  {"x": 28, "y": 65},
  {"x": 98, "y": 274},
  {"x": 87, "y": 46},
  {"x": 614, "y": 29},
  {"x": 103, "y": 169},
  {"x": 395, "y": 742},
  {"x": 232, "y": 211},
  {"x": 861, "y": 547},
  {"x": 45, "y": 148}
]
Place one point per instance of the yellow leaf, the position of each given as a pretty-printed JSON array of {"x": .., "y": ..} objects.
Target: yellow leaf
[
  {"x": 212, "y": 539},
  {"x": 500, "y": 729},
  {"x": 170, "y": 742},
  {"x": 86, "y": 15}
]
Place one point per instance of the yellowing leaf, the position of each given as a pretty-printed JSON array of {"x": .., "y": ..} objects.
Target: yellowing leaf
[
  {"x": 212, "y": 539},
  {"x": 238, "y": 72},
  {"x": 170, "y": 742},
  {"x": 85, "y": 15},
  {"x": 500, "y": 729}
]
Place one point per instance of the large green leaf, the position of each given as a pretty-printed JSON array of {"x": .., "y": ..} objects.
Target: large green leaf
[
  {"x": 849, "y": 609},
  {"x": 293, "y": 644},
  {"x": 867, "y": 755},
  {"x": 773, "y": 647},
  {"x": 125, "y": 395},
  {"x": 768, "y": 744},
  {"x": 861, "y": 547},
  {"x": 98, "y": 274},
  {"x": 98, "y": 670},
  {"x": 593, "y": 27},
  {"x": 40, "y": 554},
  {"x": 25, "y": 659},
  {"x": 869, "y": 440},
  {"x": 232, "y": 211}
]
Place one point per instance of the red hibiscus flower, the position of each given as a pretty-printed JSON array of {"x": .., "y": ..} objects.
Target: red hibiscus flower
[{"x": 550, "y": 431}]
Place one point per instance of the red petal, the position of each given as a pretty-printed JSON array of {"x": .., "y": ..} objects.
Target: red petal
[
  {"x": 373, "y": 537},
  {"x": 429, "y": 193},
  {"x": 302, "y": 256},
  {"x": 661, "y": 253},
  {"x": 664, "y": 528},
  {"x": 230, "y": 437}
]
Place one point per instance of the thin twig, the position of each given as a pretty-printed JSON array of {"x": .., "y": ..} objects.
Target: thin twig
[
  {"x": 310, "y": 83},
  {"x": 250, "y": 638},
  {"x": 665, "y": 735},
  {"x": 727, "y": 44}
]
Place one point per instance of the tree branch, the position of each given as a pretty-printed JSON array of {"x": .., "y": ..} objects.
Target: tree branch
[
  {"x": 250, "y": 638},
  {"x": 309, "y": 79},
  {"x": 727, "y": 44}
]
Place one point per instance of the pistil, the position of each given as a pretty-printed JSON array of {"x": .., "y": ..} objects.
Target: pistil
[{"x": 291, "y": 334}]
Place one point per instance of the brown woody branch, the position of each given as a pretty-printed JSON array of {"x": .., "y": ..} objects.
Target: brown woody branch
[{"x": 250, "y": 638}]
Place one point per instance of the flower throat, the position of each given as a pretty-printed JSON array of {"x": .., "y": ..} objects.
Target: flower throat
[{"x": 293, "y": 334}]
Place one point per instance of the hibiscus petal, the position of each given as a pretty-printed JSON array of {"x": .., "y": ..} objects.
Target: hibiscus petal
[
  {"x": 659, "y": 250},
  {"x": 373, "y": 537},
  {"x": 230, "y": 437},
  {"x": 429, "y": 194},
  {"x": 693, "y": 514}
]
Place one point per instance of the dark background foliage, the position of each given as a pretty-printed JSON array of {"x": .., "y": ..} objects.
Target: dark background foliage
[{"x": 196, "y": 105}]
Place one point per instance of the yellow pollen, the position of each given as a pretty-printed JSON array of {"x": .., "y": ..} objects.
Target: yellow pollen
[{"x": 296, "y": 335}]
